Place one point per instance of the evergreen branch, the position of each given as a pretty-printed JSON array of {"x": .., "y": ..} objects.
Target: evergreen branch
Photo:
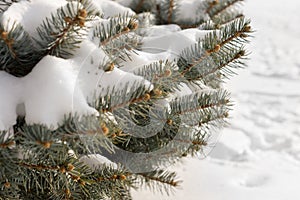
[
  {"x": 61, "y": 34},
  {"x": 18, "y": 56},
  {"x": 240, "y": 33},
  {"x": 117, "y": 35},
  {"x": 197, "y": 145},
  {"x": 225, "y": 63},
  {"x": 220, "y": 6},
  {"x": 203, "y": 120},
  {"x": 222, "y": 60},
  {"x": 201, "y": 107},
  {"x": 168, "y": 10},
  {"x": 4, "y": 4},
  {"x": 117, "y": 99},
  {"x": 179, "y": 108},
  {"x": 231, "y": 35},
  {"x": 227, "y": 19},
  {"x": 7, "y": 144},
  {"x": 211, "y": 5},
  {"x": 210, "y": 119},
  {"x": 125, "y": 31},
  {"x": 47, "y": 170},
  {"x": 36, "y": 137},
  {"x": 159, "y": 179},
  {"x": 59, "y": 164},
  {"x": 198, "y": 107},
  {"x": 161, "y": 139},
  {"x": 195, "y": 54},
  {"x": 39, "y": 167},
  {"x": 116, "y": 27},
  {"x": 84, "y": 134},
  {"x": 70, "y": 24},
  {"x": 8, "y": 156},
  {"x": 200, "y": 142},
  {"x": 111, "y": 182},
  {"x": 112, "y": 178},
  {"x": 162, "y": 75},
  {"x": 65, "y": 179},
  {"x": 199, "y": 101}
]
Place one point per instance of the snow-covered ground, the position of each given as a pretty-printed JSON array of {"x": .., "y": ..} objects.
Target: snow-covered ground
[{"x": 258, "y": 156}]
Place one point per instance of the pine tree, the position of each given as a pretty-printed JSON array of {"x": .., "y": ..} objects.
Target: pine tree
[{"x": 143, "y": 124}]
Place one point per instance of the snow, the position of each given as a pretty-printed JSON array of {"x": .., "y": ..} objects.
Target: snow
[
  {"x": 160, "y": 30},
  {"x": 96, "y": 160},
  {"x": 184, "y": 39},
  {"x": 194, "y": 8},
  {"x": 35, "y": 10},
  {"x": 49, "y": 93},
  {"x": 111, "y": 8},
  {"x": 8, "y": 101},
  {"x": 124, "y": 2},
  {"x": 256, "y": 157},
  {"x": 258, "y": 154}
]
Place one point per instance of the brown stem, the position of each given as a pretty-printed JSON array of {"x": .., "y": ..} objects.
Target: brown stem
[
  {"x": 211, "y": 5},
  {"x": 206, "y": 54},
  {"x": 7, "y": 145},
  {"x": 170, "y": 12},
  {"x": 106, "y": 41},
  {"x": 159, "y": 13},
  {"x": 172, "y": 183},
  {"x": 139, "y": 6},
  {"x": 184, "y": 26},
  {"x": 8, "y": 41},
  {"x": 115, "y": 177}
]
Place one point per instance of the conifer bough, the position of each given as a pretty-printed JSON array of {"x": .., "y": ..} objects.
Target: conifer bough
[{"x": 99, "y": 96}]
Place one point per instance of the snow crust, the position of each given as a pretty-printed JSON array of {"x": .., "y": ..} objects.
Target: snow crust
[{"x": 258, "y": 156}]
